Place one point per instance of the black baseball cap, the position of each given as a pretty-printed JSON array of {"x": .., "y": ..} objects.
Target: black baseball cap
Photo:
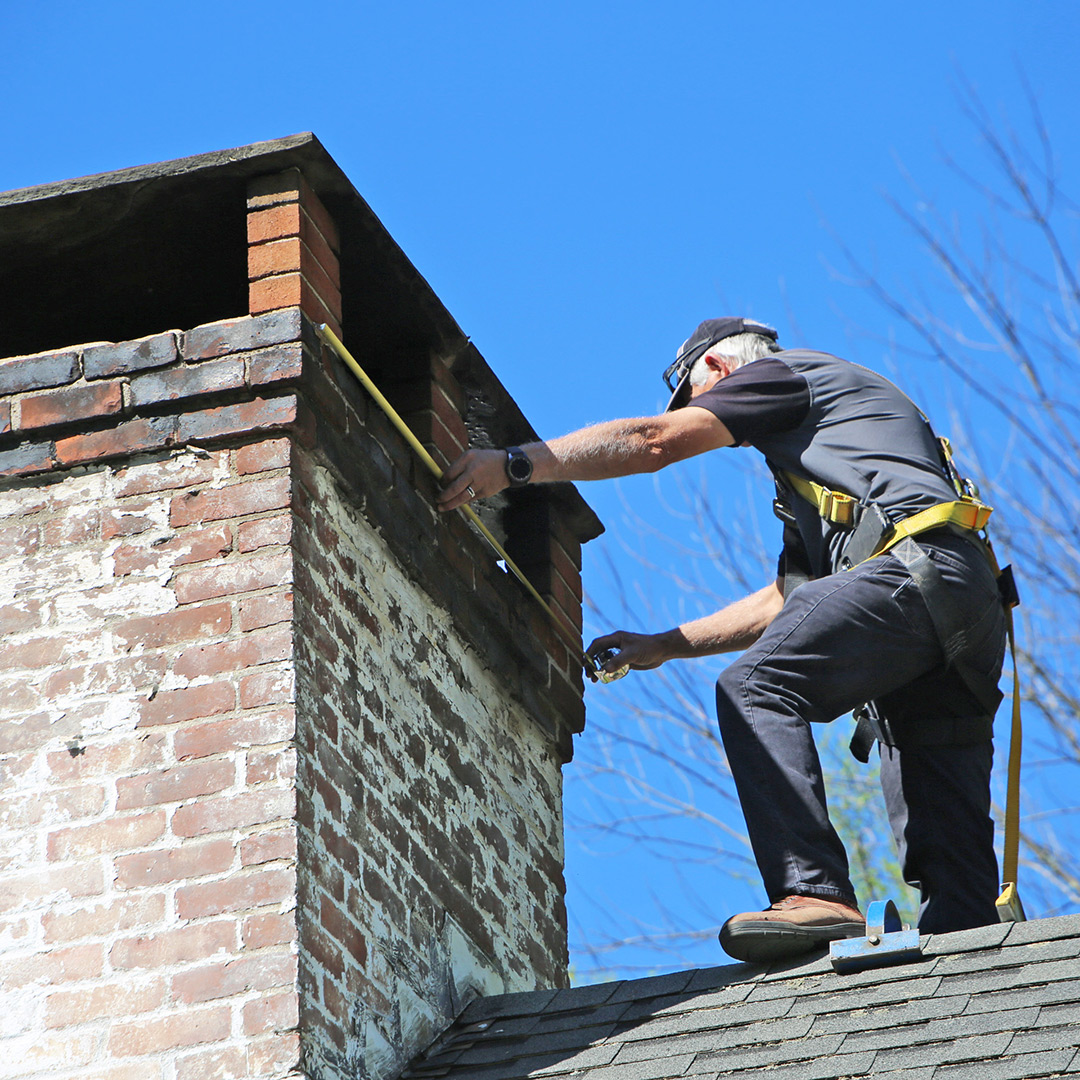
[{"x": 677, "y": 376}]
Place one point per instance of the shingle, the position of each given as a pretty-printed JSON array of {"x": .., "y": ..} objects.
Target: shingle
[
  {"x": 975, "y": 1048},
  {"x": 527, "y": 1003},
  {"x": 602, "y": 1014},
  {"x": 725, "y": 975},
  {"x": 539, "y": 1042},
  {"x": 718, "y": 1038},
  {"x": 981, "y": 937},
  {"x": 1010, "y": 956},
  {"x": 1060, "y": 926},
  {"x": 1068, "y": 1013},
  {"x": 582, "y": 997},
  {"x": 833, "y": 1068},
  {"x": 685, "y": 1002},
  {"x": 654, "y": 986},
  {"x": 1045, "y": 1038},
  {"x": 643, "y": 1070},
  {"x": 763, "y": 1057},
  {"x": 1021, "y": 1067},
  {"x": 843, "y": 1000},
  {"x": 906, "y": 1012},
  {"x": 955, "y": 1027},
  {"x": 990, "y": 980},
  {"x": 1050, "y": 994}
]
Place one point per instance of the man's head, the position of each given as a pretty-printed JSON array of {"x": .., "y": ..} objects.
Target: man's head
[{"x": 737, "y": 341}]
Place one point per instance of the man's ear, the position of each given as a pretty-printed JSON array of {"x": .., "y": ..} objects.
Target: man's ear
[{"x": 717, "y": 363}]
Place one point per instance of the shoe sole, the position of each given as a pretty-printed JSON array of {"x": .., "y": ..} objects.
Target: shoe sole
[{"x": 768, "y": 940}]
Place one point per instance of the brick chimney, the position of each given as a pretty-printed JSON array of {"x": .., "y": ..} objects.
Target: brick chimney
[{"x": 281, "y": 747}]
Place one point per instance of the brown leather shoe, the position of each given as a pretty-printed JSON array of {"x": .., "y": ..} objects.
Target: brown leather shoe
[{"x": 791, "y": 926}]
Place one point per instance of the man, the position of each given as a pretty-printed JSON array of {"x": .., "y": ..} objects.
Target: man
[{"x": 912, "y": 638}]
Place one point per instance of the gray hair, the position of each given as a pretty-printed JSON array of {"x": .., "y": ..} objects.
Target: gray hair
[{"x": 738, "y": 350}]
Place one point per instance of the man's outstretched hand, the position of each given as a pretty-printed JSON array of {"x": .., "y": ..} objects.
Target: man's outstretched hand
[
  {"x": 475, "y": 475},
  {"x": 638, "y": 651}
]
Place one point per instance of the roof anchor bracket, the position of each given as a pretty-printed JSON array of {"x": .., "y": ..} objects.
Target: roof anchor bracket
[{"x": 887, "y": 942}]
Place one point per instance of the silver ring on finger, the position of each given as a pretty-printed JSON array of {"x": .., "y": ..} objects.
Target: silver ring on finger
[{"x": 472, "y": 494}]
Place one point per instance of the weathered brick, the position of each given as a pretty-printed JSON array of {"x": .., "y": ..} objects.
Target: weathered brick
[
  {"x": 281, "y": 364},
  {"x": 184, "y": 469},
  {"x": 193, "y": 546},
  {"x": 267, "y": 688},
  {"x": 72, "y": 528},
  {"x": 214, "y": 1064},
  {"x": 192, "y": 860},
  {"x": 296, "y": 290},
  {"x": 265, "y": 532},
  {"x": 27, "y": 458},
  {"x": 240, "y": 335},
  {"x": 124, "y": 439},
  {"x": 102, "y": 918},
  {"x": 109, "y": 358},
  {"x": 189, "y": 1027},
  {"x": 263, "y": 456},
  {"x": 224, "y": 814},
  {"x": 225, "y": 978},
  {"x": 269, "y": 766},
  {"x": 175, "y": 706},
  {"x": 262, "y": 414},
  {"x": 268, "y": 887},
  {"x": 38, "y": 371},
  {"x": 211, "y": 377},
  {"x": 176, "y": 784},
  {"x": 263, "y": 930},
  {"x": 272, "y": 1012},
  {"x": 268, "y": 847},
  {"x": 224, "y": 735},
  {"x": 234, "y": 577},
  {"x": 174, "y": 945},
  {"x": 113, "y": 834},
  {"x": 175, "y": 627},
  {"x": 259, "y": 611},
  {"x": 70, "y": 405},
  {"x": 253, "y": 496},
  {"x": 100, "y": 759},
  {"x": 19, "y": 812},
  {"x": 105, "y": 1001}
]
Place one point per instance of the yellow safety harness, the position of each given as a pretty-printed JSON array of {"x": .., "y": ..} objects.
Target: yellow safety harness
[{"x": 971, "y": 515}]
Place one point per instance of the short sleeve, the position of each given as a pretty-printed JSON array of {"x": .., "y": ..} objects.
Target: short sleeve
[{"x": 761, "y": 398}]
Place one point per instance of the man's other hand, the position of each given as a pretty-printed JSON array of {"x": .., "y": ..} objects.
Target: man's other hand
[{"x": 475, "y": 475}]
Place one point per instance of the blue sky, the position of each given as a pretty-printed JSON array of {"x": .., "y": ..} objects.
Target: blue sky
[{"x": 581, "y": 183}]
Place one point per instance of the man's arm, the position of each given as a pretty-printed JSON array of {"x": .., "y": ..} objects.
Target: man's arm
[
  {"x": 734, "y": 627},
  {"x": 614, "y": 448}
]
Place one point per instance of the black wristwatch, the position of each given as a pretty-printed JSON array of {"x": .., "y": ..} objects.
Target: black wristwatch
[{"x": 518, "y": 466}]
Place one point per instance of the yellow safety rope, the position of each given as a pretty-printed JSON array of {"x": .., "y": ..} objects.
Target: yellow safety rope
[{"x": 433, "y": 466}]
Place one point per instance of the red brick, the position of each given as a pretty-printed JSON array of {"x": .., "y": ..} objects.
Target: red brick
[
  {"x": 72, "y": 404},
  {"x": 226, "y": 813},
  {"x": 267, "y": 688},
  {"x": 231, "y": 977},
  {"x": 103, "y": 918},
  {"x": 105, "y": 359},
  {"x": 180, "y": 945},
  {"x": 108, "y": 759},
  {"x": 120, "y": 441},
  {"x": 27, "y": 458},
  {"x": 190, "y": 860},
  {"x": 274, "y": 257},
  {"x": 128, "y": 520},
  {"x": 234, "y": 577},
  {"x": 21, "y": 616},
  {"x": 174, "y": 706},
  {"x": 184, "y": 470},
  {"x": 280, "y": 364},
  {"x": 190, "y": 1027},
  {"x": 214, "y": 1064},
  {"x": 260, "y": 611},
  {"x": 177, "y": 784},
  {"x": 264, "y": 532},
  {"x": 240, "y": 335},
  {"x": 236, "y": 500},
  {"x": 20, "y": 812},
  {"x": 262, "y": 414},
  {"x": 237, "y": 654},
  {"x": 72, "y": 528},
  {"x": 268, "y": 847},
  {"x": 110, "y": 677},
  {"x": 176, "y": 384},
  {"x": 18, "y": 541},
  {"x": 72, "y": 964},
  {"x": 276, "y": 1012},
  {"x": 105, "y": 1001},
  {"x": 38, "y": 371},
  {"x": 297, "y": 290},
  {"x": 270, "y": 766},
  {"x": 31, "y": 655},
  {"x": 5, "y": 417},
  {"x": 193, "y": 546},
  {"x": 223, "y": 736},
  {"x": 275, "y": 223},
  {"x": 257, "y": 888},
  {"x": 261, "y": 931},
  {"x": 115, "y": 834},
  {"x": 275, "y": 1056},
  {"x": 263, "y": 456}
]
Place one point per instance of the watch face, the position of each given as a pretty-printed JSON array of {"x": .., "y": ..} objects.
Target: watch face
[{"x": 518, "y": 466}]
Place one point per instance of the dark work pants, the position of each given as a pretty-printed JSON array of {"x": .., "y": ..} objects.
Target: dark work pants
[{"x": 857, "y": 636}]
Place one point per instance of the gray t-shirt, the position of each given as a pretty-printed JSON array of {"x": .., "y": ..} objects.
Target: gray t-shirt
[{"x": 842, "y": 426}]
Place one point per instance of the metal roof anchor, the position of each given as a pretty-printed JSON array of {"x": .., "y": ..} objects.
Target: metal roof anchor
[{"x": 887, "y": 942}]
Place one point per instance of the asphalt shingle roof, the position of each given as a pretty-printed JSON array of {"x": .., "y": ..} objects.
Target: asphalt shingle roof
[{"x": 997, "y": 1003}]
